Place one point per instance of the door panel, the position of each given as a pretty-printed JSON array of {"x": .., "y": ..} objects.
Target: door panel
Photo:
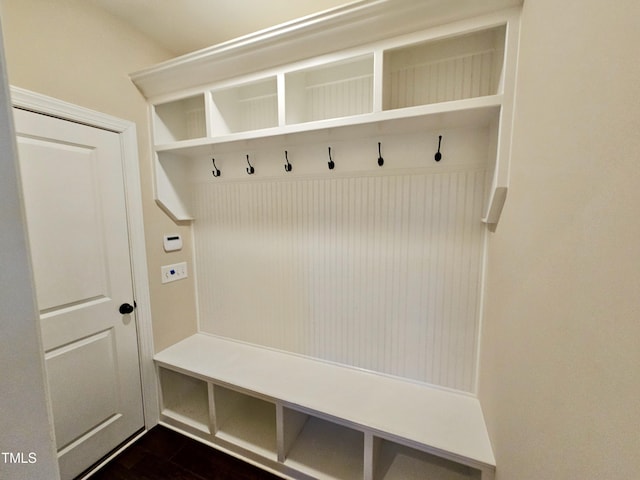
[
  {"x": 73, "y": 415},
  {"x": 64, "y": 216},
  {"x": 76, "y": 218}
]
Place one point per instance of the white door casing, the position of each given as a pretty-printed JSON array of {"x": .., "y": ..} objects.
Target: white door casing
[{"x": 83, "y": 273}]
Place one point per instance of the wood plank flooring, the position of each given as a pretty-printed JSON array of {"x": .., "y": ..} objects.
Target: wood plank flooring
[{"x": 164, "y": 454}]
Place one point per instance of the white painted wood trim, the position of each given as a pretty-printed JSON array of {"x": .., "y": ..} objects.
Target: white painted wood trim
[
  {"x": 38, "y": 103},
  {"x": 140, "y": 277},
  {"x": 500, "y": 181}
]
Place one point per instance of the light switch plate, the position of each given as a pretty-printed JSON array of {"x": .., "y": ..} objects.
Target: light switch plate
[{"x": 171, "y": 273}]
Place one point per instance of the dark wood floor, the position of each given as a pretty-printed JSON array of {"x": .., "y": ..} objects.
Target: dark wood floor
[{"x": 164, "y": 454}]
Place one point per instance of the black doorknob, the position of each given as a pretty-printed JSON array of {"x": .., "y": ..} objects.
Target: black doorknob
[{"x": 125, "y": 308}]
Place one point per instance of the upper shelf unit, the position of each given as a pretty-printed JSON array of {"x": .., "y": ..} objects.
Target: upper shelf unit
[
  {"x": 443, "y": 77},
  {"x": 341, "y": 90}
]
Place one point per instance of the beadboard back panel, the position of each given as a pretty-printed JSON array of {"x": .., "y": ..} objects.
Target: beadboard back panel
[
  {"x": 339, "y": 99},
  {"x": 380, "y": 272},
  {"x": 259, "y": 112},
  {"x": 451, "y": 69},
  {"x": 466, "y": 76}
]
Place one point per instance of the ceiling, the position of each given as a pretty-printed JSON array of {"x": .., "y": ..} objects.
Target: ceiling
[{"x": 184, "y": 26}]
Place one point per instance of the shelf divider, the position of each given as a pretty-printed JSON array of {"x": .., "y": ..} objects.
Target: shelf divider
[{"x": 289, "y": 424}]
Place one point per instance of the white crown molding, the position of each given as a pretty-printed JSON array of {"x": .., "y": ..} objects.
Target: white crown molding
[{"x": 351, "y": 25}]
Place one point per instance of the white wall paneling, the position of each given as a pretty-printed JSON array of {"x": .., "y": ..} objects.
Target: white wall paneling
[
  {"x": 379, "y": 269},
  {"x": 335, "y": 90},
  {"x": 462, "y": 67},
  {"x": 251, "y": 106}
]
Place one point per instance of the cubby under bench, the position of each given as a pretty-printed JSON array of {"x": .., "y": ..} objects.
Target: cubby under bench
[{"x": 306, "y": 419}]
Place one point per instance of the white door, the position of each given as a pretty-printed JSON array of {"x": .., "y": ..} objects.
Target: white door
[{"x": 72, "y": 178}]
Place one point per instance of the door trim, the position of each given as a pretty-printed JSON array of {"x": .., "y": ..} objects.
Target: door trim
[{"x": 35, "y": 102}]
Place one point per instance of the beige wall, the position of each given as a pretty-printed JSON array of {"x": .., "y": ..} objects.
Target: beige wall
[
  {"x": 560, "y": 371},
  {"x": 70, "y": 50}
]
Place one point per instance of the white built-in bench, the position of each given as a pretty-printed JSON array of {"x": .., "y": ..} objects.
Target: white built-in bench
[{"x": 303, "y": 418}]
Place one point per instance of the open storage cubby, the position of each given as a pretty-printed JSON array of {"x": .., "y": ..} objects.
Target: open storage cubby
[
  {"x": 245, "y": 421},
  {"x": 180, "y": 120},
  {"x": 334, "y": 90},
  {"x": 456, "y": 68},
  {"x": 322, "y": 449},
  {"x": 171, "y": 184},
  {"x": 399, "y": 462},
  {"x": 185, "y": 399},
  {"x": 250, "y": 106}
]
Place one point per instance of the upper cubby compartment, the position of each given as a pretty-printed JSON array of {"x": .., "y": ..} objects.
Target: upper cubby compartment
[
  {"x": 455, "y": 68},
  {"x": 339, "y": 89},
  {"x": 240, "y": 108},
  {"x": 179, "y": 120}
]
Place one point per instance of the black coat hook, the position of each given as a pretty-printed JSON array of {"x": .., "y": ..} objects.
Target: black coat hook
[
  {"x": 331, "y": 162},
  {"x": 288, "y": 167},
  {"x": 250, "y": 169},
  {"x": 438, "y": 155},
  {"x": 380, "y": 159},
  {"x": 216, "y": 171}
]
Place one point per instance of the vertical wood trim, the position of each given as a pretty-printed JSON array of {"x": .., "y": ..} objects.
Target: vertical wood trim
[
  {"x": 378, "y": 80},
  {"x": 281, "y": 99},
  {"x": 211, "y": 404},
  {"x": 289, "y": 424},
  {"x": 372, "y": 446},
  {"x": 500, "y": 181}
]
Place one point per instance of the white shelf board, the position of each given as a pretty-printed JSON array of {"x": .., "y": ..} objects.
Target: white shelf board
[
  {"x": 327, "y": 450},
  {"x": 447, "y": 423},
  {"x": 183, "y": 144},
  {"x": 474, "y": 111}
]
